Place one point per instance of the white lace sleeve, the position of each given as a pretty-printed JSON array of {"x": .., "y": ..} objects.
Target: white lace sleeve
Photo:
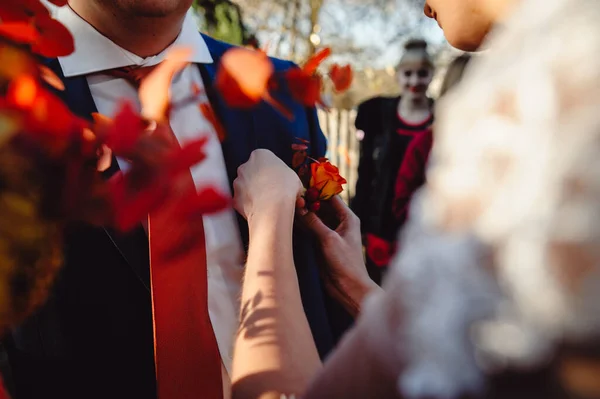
[{"x": 502, "y": 256}]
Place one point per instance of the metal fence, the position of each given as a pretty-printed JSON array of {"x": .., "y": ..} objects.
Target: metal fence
[{"x": 343, "y": 146}]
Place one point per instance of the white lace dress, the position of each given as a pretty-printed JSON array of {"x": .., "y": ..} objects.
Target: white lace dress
[{"x": 501, "y": 259}]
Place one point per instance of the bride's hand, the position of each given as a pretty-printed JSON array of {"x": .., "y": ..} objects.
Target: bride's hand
[
  {"x": 346, "y": 276},
  {"x": 264, "y": 184}
]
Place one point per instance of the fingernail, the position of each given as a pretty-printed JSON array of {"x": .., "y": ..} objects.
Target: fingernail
[{"x": 302, "y": 211}]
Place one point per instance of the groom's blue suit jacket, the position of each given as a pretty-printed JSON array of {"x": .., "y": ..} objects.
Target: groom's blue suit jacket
[{"x": 94, "y": 336}]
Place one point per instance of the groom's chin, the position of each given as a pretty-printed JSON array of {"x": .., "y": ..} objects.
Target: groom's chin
[{"x": 149, "y": 8}]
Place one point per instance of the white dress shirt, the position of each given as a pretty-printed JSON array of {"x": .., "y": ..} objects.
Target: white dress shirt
[{"x": 95, "y": 53}]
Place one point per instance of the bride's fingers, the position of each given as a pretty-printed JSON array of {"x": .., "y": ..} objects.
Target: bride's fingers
[
  {"x": 313, "y": 223},
  {"x": 301, "y": 206},
  {"x": 343, "y": 211},
  {"x": 339, "y": 205}
]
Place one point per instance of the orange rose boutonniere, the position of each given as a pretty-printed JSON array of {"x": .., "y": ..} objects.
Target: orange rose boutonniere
[
  {"x": 321, "y": 178},
  {"x": 325, "y": 179}
]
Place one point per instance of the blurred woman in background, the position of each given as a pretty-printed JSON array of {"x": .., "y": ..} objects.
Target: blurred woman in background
[
  {"x": 389, "y": 125},
  {"x": 411, "y": 175}
]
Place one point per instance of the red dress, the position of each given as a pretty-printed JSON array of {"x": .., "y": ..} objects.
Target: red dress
[{"x": 411, "y": 175}]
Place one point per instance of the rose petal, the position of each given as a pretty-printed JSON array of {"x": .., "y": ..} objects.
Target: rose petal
[
  {"x": 305, "y": 88},
  {"x": 48, "y": 76},
  {"x": 209, "y": 114},
  {"x": 243, "y": 77},
  {"x": 341, "y": 77}
]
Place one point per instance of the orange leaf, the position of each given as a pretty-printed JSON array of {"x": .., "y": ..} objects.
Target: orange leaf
[
  {"x": 278, "y": 106},
  {"x": 101, "y": 122},
  {"x": 154, "y": 90},
  {"x": 313, "y": 63},
  {"x": 48, "y": 76},
  {"x": 210, "y": 116},
  {"x": 15, "y": 61},
  {"x": 243, "y": 77},
  {"x": 21, "y": 10},
  {"x": 46, "y": 114},
  {"x": 341, "y": 77}
]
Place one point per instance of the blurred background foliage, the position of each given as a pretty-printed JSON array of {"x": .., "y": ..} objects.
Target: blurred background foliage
[{"x": 223, "y": 20}]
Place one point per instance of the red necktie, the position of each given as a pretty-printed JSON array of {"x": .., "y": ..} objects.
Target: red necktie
[{"x": 187, "y": 359}]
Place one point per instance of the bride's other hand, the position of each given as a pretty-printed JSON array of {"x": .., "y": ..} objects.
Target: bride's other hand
[
  {"x": 263, "y": 184},
  {"x": 346, "y": 276}
]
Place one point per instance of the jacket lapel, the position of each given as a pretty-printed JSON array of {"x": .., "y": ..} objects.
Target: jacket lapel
[
  {"x": 78, "y": 97},
  {"x": 240, "y": 138},
  {"x": 238, "y": 123}
]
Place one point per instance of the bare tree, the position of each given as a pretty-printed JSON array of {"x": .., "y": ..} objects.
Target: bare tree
[
  {"x": 369, "y": 34},
  {"x": 297, "y": 28}
]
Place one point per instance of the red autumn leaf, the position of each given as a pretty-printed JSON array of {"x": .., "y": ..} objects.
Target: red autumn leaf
[
  {"x": 21, "y": 10},
  {"x": 48, "y": 76},
  {"x": 311, "y": 66},
  {"x": 191, "y": 208},
  {"x": 54, "y": 39},
  {"x": 132, "y": 207},
  {"x": 210, "y": 116},
  {"x": 20, "y": 32},
  {"x": 243, "y": 77},
  {"x": 305, "y": 84},
  {"x": 155, "y": 88},
  {"x": 58, "y": 3},
  {"x": 131, "y": 202},
  {"x": 341, "y": 77},
  {"x": 305, "y": 88},
  {"x": 125, "y": 131},
  {"x": 182, "y": 158},
  {"x": 207, "y": 201}
]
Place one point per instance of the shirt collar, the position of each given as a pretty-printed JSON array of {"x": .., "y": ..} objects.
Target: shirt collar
[{"x": 94, "y": 52}]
